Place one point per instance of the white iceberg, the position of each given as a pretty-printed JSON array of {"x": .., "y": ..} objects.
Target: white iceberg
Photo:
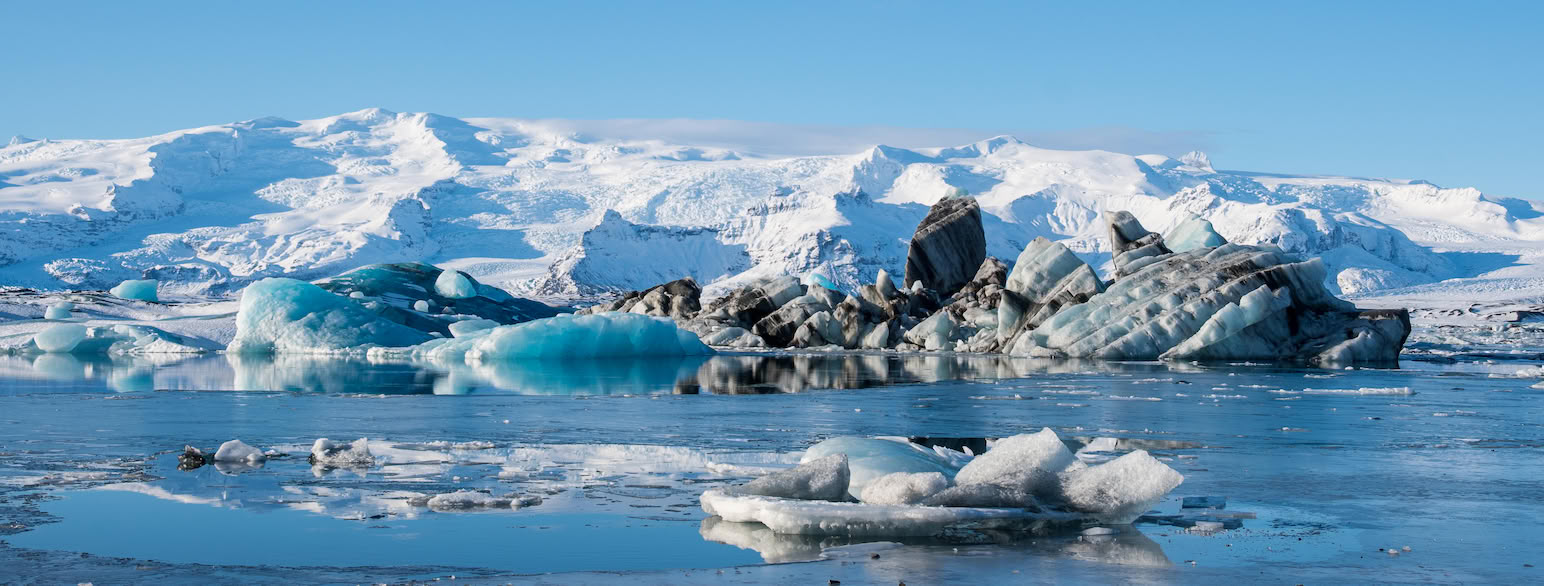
[
  {"x": 462, "y": 500},
  {"x": 1120, "y": 490},
  {"x": 454, "y": 285},
  {"x": 286, "y": 315},
  {"x": 60, "y": 310},
  {"x": 823, "y": 479},
  {"x": 136, "y": 289},
  {"x": 61, "y": 338},
  {"x": 1028, "y": 462},
  {"x": 328, "y": 453},
  {"x": 237, "y": 451},
  {"x": 870, "y": 458},
  {"x": 903, "y": 488},
  {"x": 798, "y": 517}
]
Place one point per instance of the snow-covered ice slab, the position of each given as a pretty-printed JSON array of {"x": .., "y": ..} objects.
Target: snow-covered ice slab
[{"x": 801, "y": 517}]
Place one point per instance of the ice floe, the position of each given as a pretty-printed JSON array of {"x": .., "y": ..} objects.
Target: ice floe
[
  {"x": 1025, "y": 482},
  {"x": 137, "y": 290}
]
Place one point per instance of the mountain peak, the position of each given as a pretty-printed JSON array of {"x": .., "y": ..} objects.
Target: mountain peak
[{"x": 1197, "y": 160}]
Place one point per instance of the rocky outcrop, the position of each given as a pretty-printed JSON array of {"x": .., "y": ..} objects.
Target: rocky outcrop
[{"x": 948, "y": 246}]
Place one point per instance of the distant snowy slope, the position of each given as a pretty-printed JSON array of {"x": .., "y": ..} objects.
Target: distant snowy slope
[{"x": 544, "y": 209}]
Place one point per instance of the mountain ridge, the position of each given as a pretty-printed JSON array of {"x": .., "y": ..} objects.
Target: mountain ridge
[{"x": 524, "y": 205}]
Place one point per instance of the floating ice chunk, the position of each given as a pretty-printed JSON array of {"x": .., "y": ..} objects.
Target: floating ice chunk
[
  {"x": 454, "y": 285},
  {"x": 420, "y": 306},
  {"x": 237, "y": 451},
  {"x": 461, "y": 328},
  {"x": 871, "y": 458},
  {"x": 326, "y": 452},
  {"x": 1207, "y": 527},
  {"x": 903, "y": 488},
  {"x": 356, "y": 295},
  {"x": 286, "y": 315},
  {"x": 462, "y": 500},
  {"x": 587, "y": 336},
  {"x": 136, "y": 289},
  {"x": 61, "y": 338},
  {"x": 982, "y": 495},
  {"x": 1029, "y": 462},
  {"x": 799, "y": 517},
  {"x": 824, "y": 479},
  {"x": 1361, "y": 391},
  {"x": 1119, "y": 491},
  {"x": 60, "y": 310}
]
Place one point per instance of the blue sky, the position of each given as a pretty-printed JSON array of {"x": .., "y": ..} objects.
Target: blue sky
[{"x": 1448, "y": 92}]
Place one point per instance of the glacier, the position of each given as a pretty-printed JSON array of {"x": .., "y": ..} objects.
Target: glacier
[{"x": 538, "y": 209}]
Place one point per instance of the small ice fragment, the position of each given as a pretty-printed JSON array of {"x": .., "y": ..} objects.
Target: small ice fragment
[
  {"x": 326, "y": 452},
  {"x": 825, "y": 479},
  {"x": 903, "y": 488},
  {"x": 60, "y": 310},
  {"x": 237, "y": 451},
  {"x": 1029, "y": 462},
  {"x": 1207, "y": 526},
  {"x": 1120, "y": 490},
  {"x": 136, "y": 289},
  {"x": 1405, "y": 548},
  {"x": 61, "y": 338},
  {"x": 1092, "y": 531},
  {"x": 356, "y": 295},
  {"x": 471, "y": 499},
  {"x": 421, "y": 306},
  {"x": 1203, "y": 502},
  {"x": 453, "y": 284}
]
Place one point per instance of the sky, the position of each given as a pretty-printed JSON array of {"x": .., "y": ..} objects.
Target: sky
[{"x": 1442, "y": 91}]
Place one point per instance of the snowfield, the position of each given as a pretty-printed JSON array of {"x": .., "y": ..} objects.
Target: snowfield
[{"x": 547, "y": 212}]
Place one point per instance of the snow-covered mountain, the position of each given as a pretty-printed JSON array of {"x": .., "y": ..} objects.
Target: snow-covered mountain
[{"x": 545, "y": 211}]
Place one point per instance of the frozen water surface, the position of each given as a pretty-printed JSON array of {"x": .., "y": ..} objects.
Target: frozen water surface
[{"x": 579, "y": 472}]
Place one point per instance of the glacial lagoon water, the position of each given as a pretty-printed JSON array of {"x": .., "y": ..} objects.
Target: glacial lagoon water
[{"x": 1324, "y": 471}]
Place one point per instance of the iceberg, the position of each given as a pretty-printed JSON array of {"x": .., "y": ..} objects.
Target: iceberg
[
  {"x": 329, "y": 454},
  {"x": 1029, "y": 463},
  {"x": 585, "y": 336},
  {"x": 62, "y": 338},
  {"x": 870, "y": 458},
  {"x": 136, "y": 289},
  {"x": 1192, "y": 232},
  {"x": 286, "y": 315},
  {"x": 903, "y": 488},
  {"x": 1120, "y": 490},
  {"x": 823, "y": 479},
  {"x": 798, "y": 517},
  {"x": 238, "y": 451},
  {"x": 454, "y": 285},
  {"x": 994, "y": 491},
  {"x": 60, "y": 310}
]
